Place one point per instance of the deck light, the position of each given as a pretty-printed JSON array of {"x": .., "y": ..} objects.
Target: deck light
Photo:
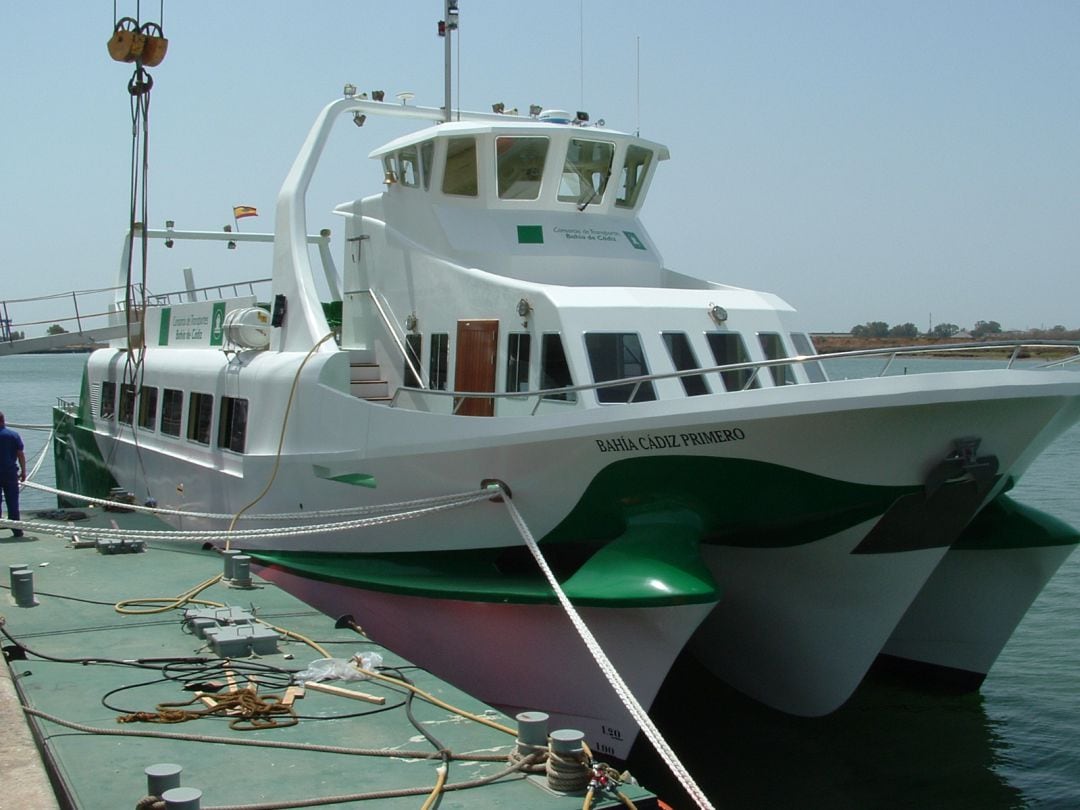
[
  {"x": 358, "y": 118},
  {"x": 718, "y": 313},
  {"x": 350, "y": 90},
  {"x": 169, "y": 243},
  {"x": 378, "y": 95},
  {"x": 524, "y": 308},
  {"x": 535, "y": 110},
  {"x": 582, "y": 117},
  {"x": 498, "y": 107},
  {"x": 410, "y": 322}
]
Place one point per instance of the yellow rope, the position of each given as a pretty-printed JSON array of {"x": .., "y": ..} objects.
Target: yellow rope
[
  {"x": 436, "y": 791},
  {"x": 281, "y": 437}
]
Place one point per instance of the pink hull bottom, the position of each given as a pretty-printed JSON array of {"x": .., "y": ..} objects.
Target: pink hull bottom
[{"x": 521, "y": 657}]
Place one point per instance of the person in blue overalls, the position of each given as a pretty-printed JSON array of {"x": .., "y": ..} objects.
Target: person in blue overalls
[{"x": 12, "y": 470}]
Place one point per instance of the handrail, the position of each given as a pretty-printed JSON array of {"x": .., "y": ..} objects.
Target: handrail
[
  {"x": 393, "y": 333},
  {"x": 756, "y": 365}
]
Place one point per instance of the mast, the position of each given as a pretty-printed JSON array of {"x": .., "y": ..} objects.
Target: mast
[{"x": 448, "y": 24}]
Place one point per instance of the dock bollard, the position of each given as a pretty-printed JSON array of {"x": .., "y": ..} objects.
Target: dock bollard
[
  {"x": 182, "y": 798},
  {"x": 566, "y": 771},
  {"x": 22, "y": 587},
  {"x": 13, "y": 568},
  {"x": 230, "y": 554},
  {"x": 241, "y": 573},
  {"x": 161, "y": 777},
  {"x": 532, "y": 732}
]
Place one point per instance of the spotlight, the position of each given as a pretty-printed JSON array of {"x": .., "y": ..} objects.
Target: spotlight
[
  {"x": 358, "y": 118},
  {"x": 231, "y": 245},
  {"x": 168, "y": 243},
  {"x": 350, "y": 90},
  {"x": 535, "y": 110},
  {"x": 582, "y": 116},
  {"x": 498, "y": 107},
  {"x": 524, "y": 308},
  {"x": 718, "y": 313},
  {"x": 378, "y": 95}
]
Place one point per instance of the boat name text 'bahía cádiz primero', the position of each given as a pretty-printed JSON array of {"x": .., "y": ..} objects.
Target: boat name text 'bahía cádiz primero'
[{"x": 664, "y": 441}]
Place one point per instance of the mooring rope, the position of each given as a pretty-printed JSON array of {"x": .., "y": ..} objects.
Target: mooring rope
[
  {"x": 631, "y": 703},
  {"x": 442, "y": 504},
  {"x": 374, "y": 509}
]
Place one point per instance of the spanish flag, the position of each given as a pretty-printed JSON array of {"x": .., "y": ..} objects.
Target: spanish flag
[{"x": 241, "y": 211}]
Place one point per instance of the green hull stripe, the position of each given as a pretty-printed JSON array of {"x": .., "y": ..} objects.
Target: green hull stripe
[{"x": 1006, "y": 524}]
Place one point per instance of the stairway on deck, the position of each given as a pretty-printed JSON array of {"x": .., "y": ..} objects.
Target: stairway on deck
[{"x": 365, "y": 377}]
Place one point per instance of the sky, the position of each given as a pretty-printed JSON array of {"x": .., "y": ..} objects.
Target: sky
[{"x": 864, "y": 160}]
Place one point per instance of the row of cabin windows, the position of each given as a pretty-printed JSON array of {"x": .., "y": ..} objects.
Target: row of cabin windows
[
  {"x": 519, "y": 169},
  {"x": 618, "y": 356},
  {"x": 232, "y": 423}
]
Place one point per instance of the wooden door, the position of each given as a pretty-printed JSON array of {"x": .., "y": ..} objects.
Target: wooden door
[{"x": 474, "y": 366}]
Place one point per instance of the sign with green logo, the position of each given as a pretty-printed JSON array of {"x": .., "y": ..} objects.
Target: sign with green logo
[
  {"x": 217, "y": 324},
  {"x": 163, "y": 329},
  {"x": 530, "y": 234}
]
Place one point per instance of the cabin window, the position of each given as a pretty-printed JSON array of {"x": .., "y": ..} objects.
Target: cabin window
[
  {"x": 517, "y": 361},
  {"x": 440, "y": 350},
  {"x": 200, "y": 415},
  {"x": 682, "y": 357},
  {"x": 427, "y": 162},
  {"x": 459, "y": 177},
  {"x": 147, "y": 407},
  {"x": 413, "y": 343},
  {"x": 615, "y": 357},
  {"x": 172, "y": 406},
  {"x": 108, "y": 400},
  {"x": 728, "y": 348},
  {"x": 554, "y": 370},
  {"x": 409, "y": 167},
  {"x": 126, "y": 414},
  {"x": 773, "y": 347},
  {"x": 586, "y": 171},
  {"x": 520, "y": 166},
  {"x": 635, "y": 169},
  {"x": 232, "y": 431},
  {"x": 803, "y": 346}
]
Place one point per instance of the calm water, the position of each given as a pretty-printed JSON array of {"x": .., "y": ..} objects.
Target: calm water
[{"x": 1011, "y": 745}]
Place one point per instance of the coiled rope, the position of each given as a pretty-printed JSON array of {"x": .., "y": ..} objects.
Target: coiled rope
[{"x": 631, "y": 703}]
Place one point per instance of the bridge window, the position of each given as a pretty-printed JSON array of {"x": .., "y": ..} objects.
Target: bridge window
[
  {"x": 413, "y": 344},
  {"x": 459, "y": 177},
  {"x": 127, "y": 403},
  {"x": 200, "y": 415},
  {"x": 635, "y": 169},
  {"x": 615, "y": 357},
  {"x": 728, "y": 348},
  {"x": 147, "y": 407},
  {"x": 682, "y": 357},
  {"x": 440, "y": 350},
  {"x": 554, "y": 370},
  {"x": 172, "y": 406},
  {"x": 586, "y": 171},
  {"x": 517, "y": 361},
  {"x": 520, "y": 166},
  {"x": 427, "y": 161},
  {"x": 108, "y": 400},
  {"x": 803, "y": 346},
  {"x": 232, "y": 431},
  {"x": 773, "y": 346},
  {"x": 409, "y": 167}
]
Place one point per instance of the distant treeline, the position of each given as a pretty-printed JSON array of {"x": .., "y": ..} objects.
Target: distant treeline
[{"x": 980, "y": 331}]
